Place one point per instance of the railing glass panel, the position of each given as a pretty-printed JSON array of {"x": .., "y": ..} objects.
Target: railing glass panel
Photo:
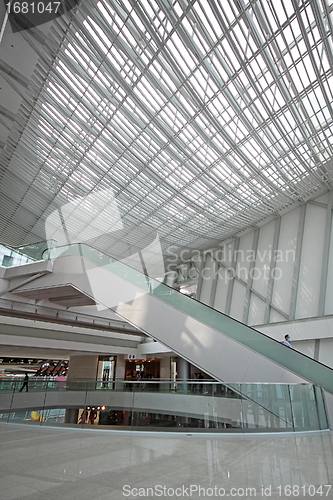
[
  {"x": 166, "y": 405},
  {"x": 257, "y": 341},
  {"x": 294, "y": 361}
]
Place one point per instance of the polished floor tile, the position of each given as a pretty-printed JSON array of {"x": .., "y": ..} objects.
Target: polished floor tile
[{"x": 39, "y": 462}]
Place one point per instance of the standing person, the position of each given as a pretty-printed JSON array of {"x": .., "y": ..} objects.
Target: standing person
[
  {"x": 25, "y": 383},
  {"x": 83, "y": 417},
  {"x": 105, "y": 379},
  {"x": 92, "y": 416},
  {"x": 286, "y": 341}
]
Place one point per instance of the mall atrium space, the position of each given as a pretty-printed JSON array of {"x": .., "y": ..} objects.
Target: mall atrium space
[{"x": 166, "y": 196}]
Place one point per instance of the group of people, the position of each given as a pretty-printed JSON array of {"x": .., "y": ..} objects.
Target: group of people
[{"x": 88, "y": 416}]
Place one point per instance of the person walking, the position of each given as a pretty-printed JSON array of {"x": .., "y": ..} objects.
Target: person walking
[{"x": 25, "y": 383}]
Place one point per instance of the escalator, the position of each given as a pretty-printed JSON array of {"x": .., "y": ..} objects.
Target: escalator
[{"x": 217, "y": 344}]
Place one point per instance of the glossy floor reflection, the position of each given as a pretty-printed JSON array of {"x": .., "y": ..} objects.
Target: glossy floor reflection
[{"x": 64, "y": 463}]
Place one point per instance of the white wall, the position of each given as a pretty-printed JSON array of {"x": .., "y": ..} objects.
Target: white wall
[
  {"x": 284, "y": 266},
  {"x": 311, "y": 261},
  {"x": 282, "y": 287},
  {"x": 282, "y": 282}
]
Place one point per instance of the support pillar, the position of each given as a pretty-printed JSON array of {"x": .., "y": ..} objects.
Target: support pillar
[
  {"x": 183, "y": 373},
  {"x": 200, "y": 278},
  {"x": 82, "y": 367},
  {"x": 231, "y": 280},
  {"x": 326, "y": 251},
  {"x": 183, "y": 369},
  {"x": 250, "y": 278},
  {"x": 297, "y": 265},
  {"x": 271, "y": 270},
  {"x": 72, "y": 416}
]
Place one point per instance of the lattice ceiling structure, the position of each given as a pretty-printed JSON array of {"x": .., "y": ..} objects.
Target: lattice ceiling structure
[{"x": 203, "y": 117}]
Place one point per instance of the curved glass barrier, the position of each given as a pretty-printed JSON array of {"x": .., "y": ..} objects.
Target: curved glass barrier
[
  {"x": 295, "y": 361},
  {"x": 292, "y": 360},
  {"x": 184, "y": 405}
]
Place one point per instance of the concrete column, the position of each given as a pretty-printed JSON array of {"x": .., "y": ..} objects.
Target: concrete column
[
  {"x": 81, "y": 367},
  {"x": 297, "y": 265},
  {"x": 165, "y": 368},
  {"x": 250, "y": 278},
  {"x": 231, "y": 281},
  {"x": 269, "y": 294},
  {"x": 71, "y": 416},
  {"x": 183, "y": 369},
  {"x": 326, "y": 251},
  {"x": 200, "y": 277},
  {"x": 120, "y": 367},
  {"x": 214, "y": 284}
]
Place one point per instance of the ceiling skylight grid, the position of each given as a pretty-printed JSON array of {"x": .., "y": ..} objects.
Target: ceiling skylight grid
[{"x": 236, "y": 120}]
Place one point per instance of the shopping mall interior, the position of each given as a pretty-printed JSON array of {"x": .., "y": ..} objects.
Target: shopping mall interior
[{"x": 166, "y": 249}]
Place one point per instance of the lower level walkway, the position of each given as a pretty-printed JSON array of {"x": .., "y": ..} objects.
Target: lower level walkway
[{"x": 53, "y": 463}]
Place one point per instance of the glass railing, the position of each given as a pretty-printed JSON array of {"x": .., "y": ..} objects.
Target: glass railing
[
  {"x": 10, "y": 257},
  {"x": 16, "y": 256},
  {"x": 165, "y": 405},
  {"x": 294, "y": 361}
]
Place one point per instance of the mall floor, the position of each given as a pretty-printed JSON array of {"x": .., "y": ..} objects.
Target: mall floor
[{"x": 53, "y": 463}]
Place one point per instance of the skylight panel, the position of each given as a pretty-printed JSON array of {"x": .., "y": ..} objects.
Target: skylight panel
[
  {"x": 55, "y": 114},
  {"x": 146, "y": 101},
  {"x": 295, "y": 28},
  {"x": 179, "y": 52},
  {"x": 75, "y": 54},
  {"x": 296, "y": 79},
  {"x": 258, "y": 105},
  {"x": 126, "y": 35},
  {"x": 70, "y": 78},
  {"x": 239, "y": 38},
  {"x": 218, "y": 66},
  {"x": 116, "y": 58},
  {"x": 81, "y": 112},
  {"x": 288, "y": 34},
  {"x": 269, "y": 17},
  {"x": 150, "y": 7},
  {"x": 198, "y": 41},
  {"x": 208, "y": 18},
  {"x": 98, "y": 34},
  {"x": 144, "y": 85},
  {"x": 159, "y": 134},
  {"x": 161, "y": 75},
  {"x": 108, "y": 14},
  {"x": 227, "y": 11},
  {"x": 61, "y": 92},
  {"x": 322, "y": 61},
  {"x": 229, "y": 56}
]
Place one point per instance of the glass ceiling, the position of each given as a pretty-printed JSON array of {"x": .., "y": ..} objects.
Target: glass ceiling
[{"x": 204, "y": 117}]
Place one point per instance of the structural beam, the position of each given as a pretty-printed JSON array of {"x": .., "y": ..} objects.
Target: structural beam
[
  {"x": 326, "y": 252},
  {"x": 250, "y": 278},
  {"x": 231, "y": 281},
  {"x": 214, "y": 283},
  {"x": 271, "y": 270},
  {"x": 297, "y": 264},
  {"x": 200, "y": 279}
]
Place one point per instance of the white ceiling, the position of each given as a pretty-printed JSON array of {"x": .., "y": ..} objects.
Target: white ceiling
[{"x": 201, "y": 118}]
